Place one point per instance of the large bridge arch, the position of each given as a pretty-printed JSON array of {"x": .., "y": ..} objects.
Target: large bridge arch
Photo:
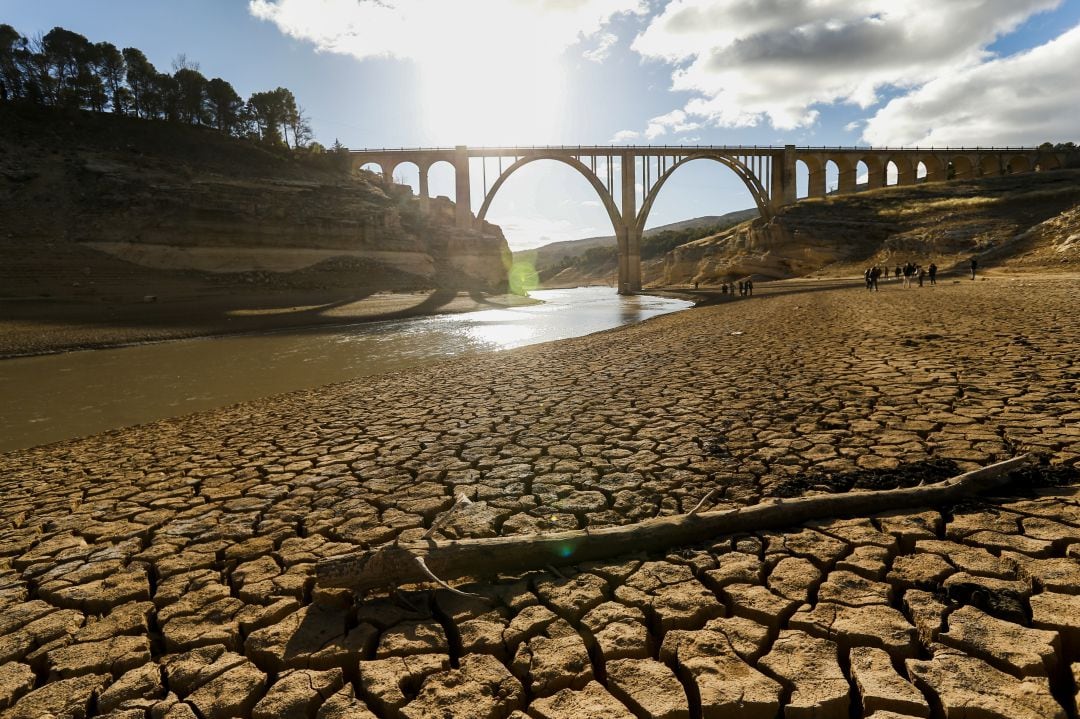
[
  {"x": 601, "y": 191},
  {"x": 757, "y": 191}
]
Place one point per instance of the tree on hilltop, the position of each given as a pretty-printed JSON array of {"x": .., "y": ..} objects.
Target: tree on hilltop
[{"x": 224, "y": 106}]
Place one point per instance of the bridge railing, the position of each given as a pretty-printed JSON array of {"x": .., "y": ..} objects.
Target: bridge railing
[{"x": 615, "y": 149}]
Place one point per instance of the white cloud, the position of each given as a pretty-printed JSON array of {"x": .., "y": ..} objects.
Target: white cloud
[
  {"x": 674, "y": 121},
  {"x": 625, "y": 136},
  {"x": 1025, "y": 99},
  {"x": 604, "y": 43},
  {"x": 752, "y": 60},
  {"x": 490, "y": 70},
  {"x": 439, "y": 31}
]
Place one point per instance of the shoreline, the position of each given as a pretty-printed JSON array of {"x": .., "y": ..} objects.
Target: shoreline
[
  {"x": 61, "y": 326},
  {"x": 32, "y": 327}
]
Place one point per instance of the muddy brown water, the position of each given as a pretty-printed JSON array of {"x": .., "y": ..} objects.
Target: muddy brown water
[{"x": 56, "y": 397}]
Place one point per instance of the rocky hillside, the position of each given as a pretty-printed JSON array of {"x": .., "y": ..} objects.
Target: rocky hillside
[
  {"x": 1019, "y": 222},
  {"x": 107, "y": 206}
]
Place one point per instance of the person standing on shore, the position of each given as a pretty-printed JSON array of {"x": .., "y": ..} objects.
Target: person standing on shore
[
  {"x": 897, "y": 275},
  {"x": 974, "y": 264},
  {"x": 749, "y": 288},
  {"x": 919, "y": 274},
  {"x": 932, "y": 271}
]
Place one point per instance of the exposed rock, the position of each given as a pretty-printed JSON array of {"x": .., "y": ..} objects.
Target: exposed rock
[
  {"x": 648, "y": 687},
  {"x": 736, "y": 568},
  {"x": 793, "y": 578},
  {"x": 869, "y": 561},
  {"x": 314, "y": 637},
  {"x": 571, "y": 598},
  {"x": 231, "y": 694},
  {"x": 15, "y": 681},
  {"x": 298, "y": 694},
  {"x": 853, "y": 590},
  {"x": 919, "y": 571},
  {"x": 389, "y": 684},
  {"x": 965, "y": 686},
  {"x": 140, "y": 688},
  {"x": 881, "y": 688},
  {"x": 590, "y": 701},
  {"x": 727, "y": 685},
  {"x": 748, "y": 638},
  {"x": 927, "y": 612},
  {"x": 757, "y": 603},
  {"x": 973, "y": 560},
  {"x": 873, "y": 625},
  {"x": 344, "y": 705},
  {"x": 548, "y": 664},
  {"x": 809, "y": 665},
  {"x": 63, "y": 699},
  {"x": 479, "y": 689},
  {"x": 1061, "y": 574},
  {"x": 426, "y": 637},
  {"x": 108, "y": 656},
  {"x": 1058, "y": 612},
  {"x": 1024, "y": 652}
]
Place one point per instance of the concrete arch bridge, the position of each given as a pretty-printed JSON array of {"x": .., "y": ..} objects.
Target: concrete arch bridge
[{"x": 628, "y": 179}]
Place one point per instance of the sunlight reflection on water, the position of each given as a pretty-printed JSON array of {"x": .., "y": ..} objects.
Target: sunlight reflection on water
[{"x": 67, "y": 395}]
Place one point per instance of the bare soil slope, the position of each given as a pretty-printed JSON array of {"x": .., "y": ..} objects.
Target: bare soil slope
[{"x": 1019, "y": 222}]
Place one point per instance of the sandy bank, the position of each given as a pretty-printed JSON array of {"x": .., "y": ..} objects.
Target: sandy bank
[{"x": 41, "y": 326}]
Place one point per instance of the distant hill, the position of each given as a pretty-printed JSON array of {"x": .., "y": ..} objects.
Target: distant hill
[
  {"x": 552, "y": 255},
  {"x": 1028, "y": 221}
]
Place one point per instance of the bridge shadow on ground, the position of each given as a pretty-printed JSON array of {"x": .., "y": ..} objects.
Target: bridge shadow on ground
[{"x": 49, "y": 325}]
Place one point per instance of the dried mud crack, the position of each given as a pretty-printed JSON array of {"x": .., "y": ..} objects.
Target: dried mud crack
[{"x": 168, "y": 570}]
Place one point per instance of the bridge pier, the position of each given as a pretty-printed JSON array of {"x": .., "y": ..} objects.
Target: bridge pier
[
  {"x": 423, "y": 188},
  {"x": 462, "y": 187},
  {"x": 783, "y": 190},
  {"x": 627, "y": 234}
]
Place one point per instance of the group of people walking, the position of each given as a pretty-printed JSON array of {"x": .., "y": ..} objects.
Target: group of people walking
[
  {"x": 745, "y": 287},
  {"x": 911, "y": 273}
]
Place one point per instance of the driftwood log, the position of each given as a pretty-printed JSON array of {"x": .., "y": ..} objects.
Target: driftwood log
[{"x": 395, "y": 564}]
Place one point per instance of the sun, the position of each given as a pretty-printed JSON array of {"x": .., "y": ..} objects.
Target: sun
[{"x": 478, "y": 96}]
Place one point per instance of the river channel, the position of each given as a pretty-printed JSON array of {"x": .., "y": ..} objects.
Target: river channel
[{"x": 56, "y": 397}]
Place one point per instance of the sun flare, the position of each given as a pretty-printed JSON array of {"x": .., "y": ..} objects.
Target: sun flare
[{"x": 476, "y": 98}]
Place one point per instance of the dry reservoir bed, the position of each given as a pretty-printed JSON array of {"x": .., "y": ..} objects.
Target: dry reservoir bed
[{"x": 166, "y": 570}]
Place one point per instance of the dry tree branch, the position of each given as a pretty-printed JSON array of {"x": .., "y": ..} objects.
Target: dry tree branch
[{"x": 397, "y": 564}]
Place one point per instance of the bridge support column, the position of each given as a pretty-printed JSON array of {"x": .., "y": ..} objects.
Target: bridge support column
[
  {"x": 424, "y": 188},
  {"x": 783, "y": 190},
  {"x": 875, "y": 174},
  {"x": 462, "y": 186},
  {"x": 845, "y": 180},
  {"x": 628, "y": 236},
  {"x": 816, "y": 184}
]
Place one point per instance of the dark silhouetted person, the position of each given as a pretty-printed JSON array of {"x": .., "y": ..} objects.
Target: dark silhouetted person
[
  {"x": 749, "y": 288},
  {"x": 875, "y": 273},
  {"x": 897, "y": 275},
  {"x": 932, "y": 271},
  {"x": 866, "y": 277},
  {"x": 695, "y": 284},
  {"x": 974, "y": 264}
]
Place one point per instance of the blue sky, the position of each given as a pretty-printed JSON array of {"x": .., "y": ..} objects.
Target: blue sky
[{"x": 765, "y": 72}]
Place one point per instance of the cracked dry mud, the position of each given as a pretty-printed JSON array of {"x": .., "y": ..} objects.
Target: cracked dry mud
[{"x": 166, "y": 571}]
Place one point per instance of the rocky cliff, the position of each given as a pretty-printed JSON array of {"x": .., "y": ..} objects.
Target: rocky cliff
[
  {"x": 97, "y": 204},
  {"x": 1029, "y": 221}
]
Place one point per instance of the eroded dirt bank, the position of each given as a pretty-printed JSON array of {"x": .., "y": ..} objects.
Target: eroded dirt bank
[{"x": 165, "y": 570}]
